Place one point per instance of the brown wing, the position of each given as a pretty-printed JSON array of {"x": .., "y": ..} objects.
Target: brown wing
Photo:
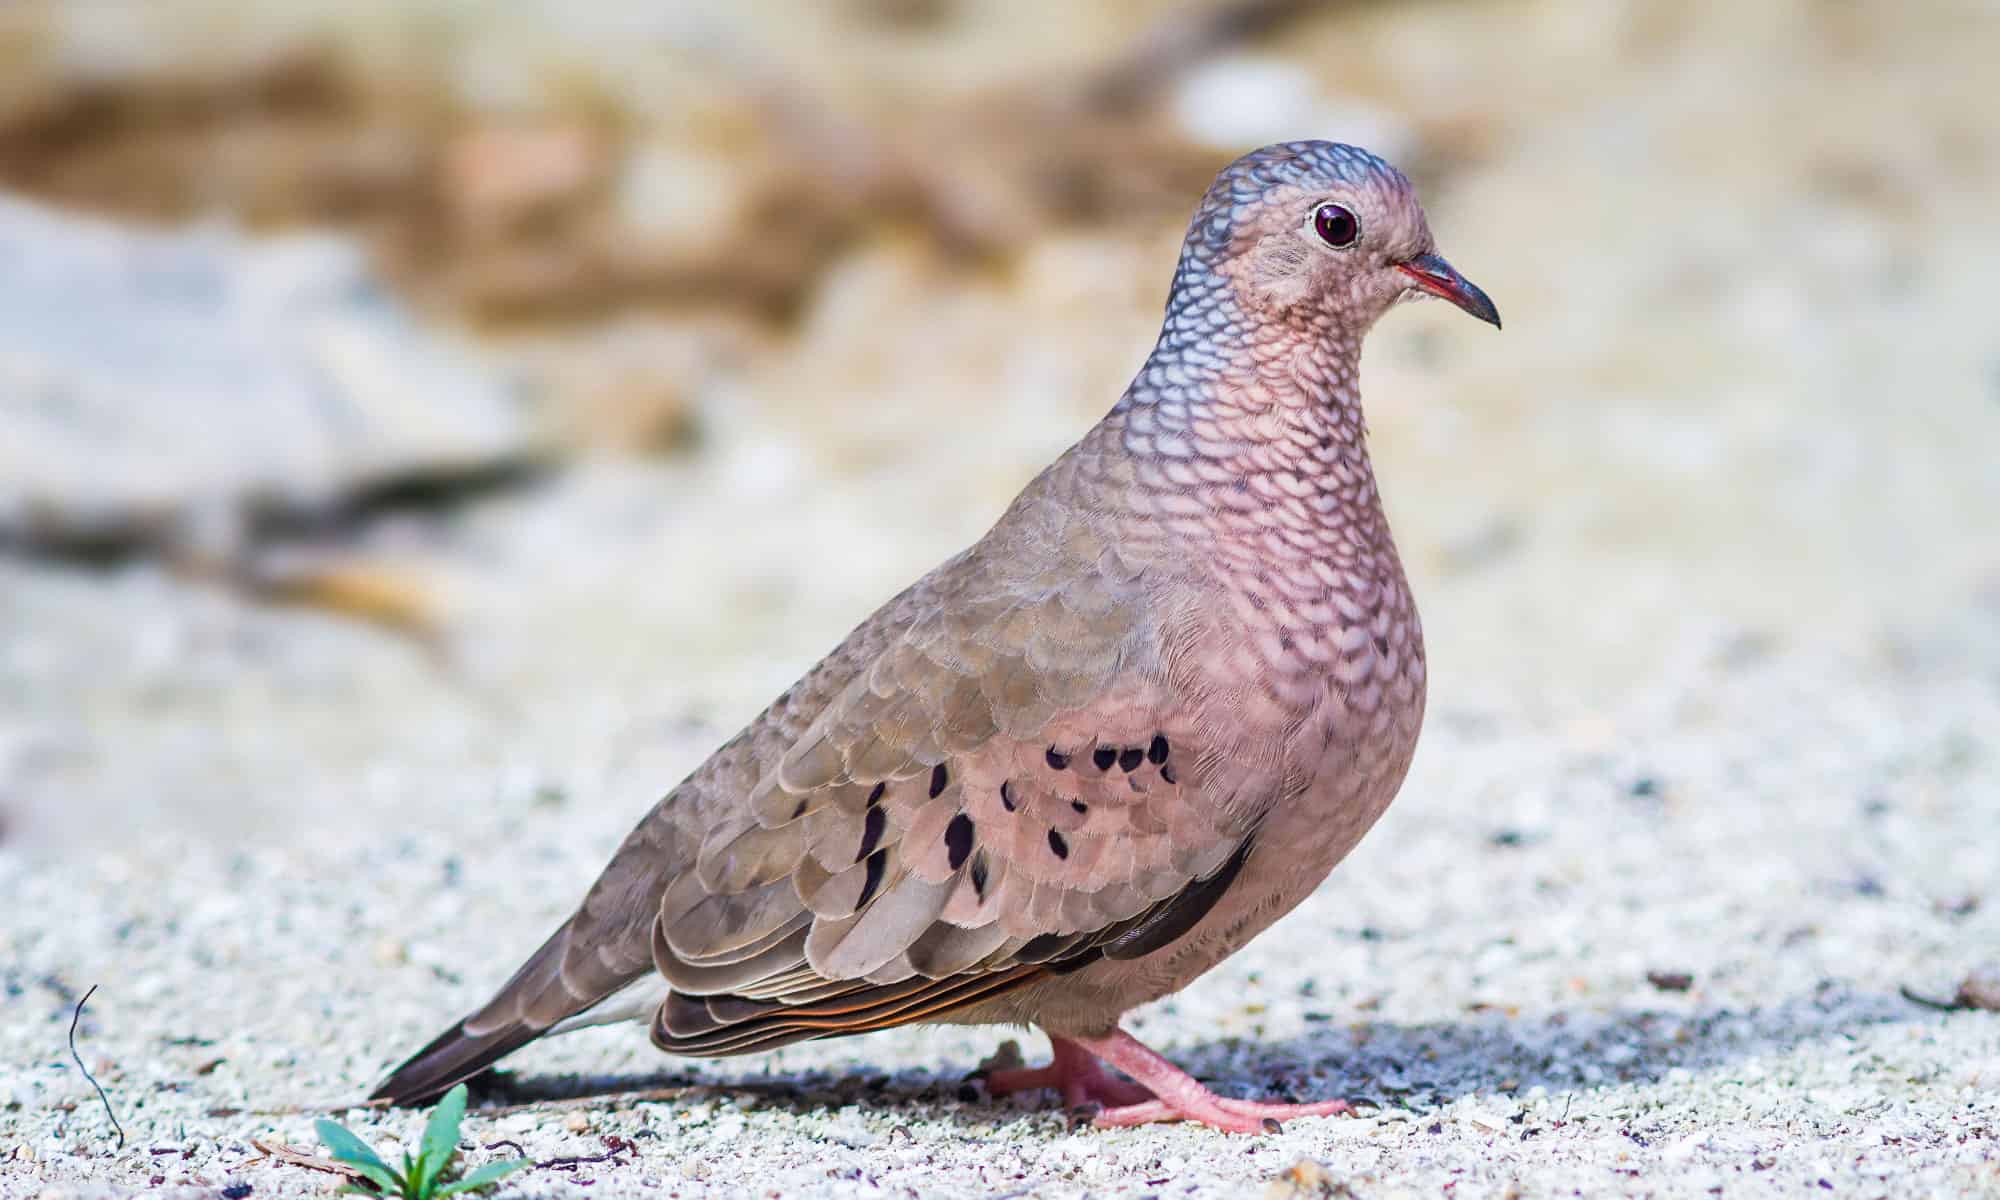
[
  {"x": 992, "y": 779},
  {"x": 1011, "y": 788}
]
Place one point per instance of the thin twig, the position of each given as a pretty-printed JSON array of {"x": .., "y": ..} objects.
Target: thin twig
[
  {"x": 618, "y": 1146},
  {"x": 1952, "y": 1005},
  {"x": 299, "y": 1158},
  {"x": 74, "y": 1018}
]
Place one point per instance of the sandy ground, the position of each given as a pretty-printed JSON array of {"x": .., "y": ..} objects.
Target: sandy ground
[
  {"x": 1704, "y": 544},
  {"x": 1800, "y": 829}
]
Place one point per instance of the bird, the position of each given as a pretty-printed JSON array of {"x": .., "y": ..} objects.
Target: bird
[{"x": 1086, "y": 759}]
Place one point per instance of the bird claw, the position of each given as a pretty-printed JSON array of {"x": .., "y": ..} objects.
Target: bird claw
[
  {"x": 1092, "y": 1093},
  {"x": 1082, "y": 1080}
]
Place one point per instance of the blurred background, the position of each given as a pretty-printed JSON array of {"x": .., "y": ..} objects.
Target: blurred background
[{"x": 417, "y": 410}]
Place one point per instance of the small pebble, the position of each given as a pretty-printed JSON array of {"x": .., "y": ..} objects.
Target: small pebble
[{"x": 1671, "y": 981}]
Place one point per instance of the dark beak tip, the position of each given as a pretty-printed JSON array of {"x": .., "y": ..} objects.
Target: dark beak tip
[
  {"x": 1438, "y": 277},
  {"x": 1482, "y": 306}
]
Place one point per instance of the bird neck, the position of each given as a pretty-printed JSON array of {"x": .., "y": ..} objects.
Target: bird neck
[
  {"x": 1267, "y": 409},
  {"x": 1251, "y": 439},
  {"x": 1267, "y": 387}
]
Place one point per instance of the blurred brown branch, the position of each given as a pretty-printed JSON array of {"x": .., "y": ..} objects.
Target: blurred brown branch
[{"x": 523, "y": 216}]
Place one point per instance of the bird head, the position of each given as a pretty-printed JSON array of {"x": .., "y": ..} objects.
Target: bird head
[{"x": 1322, "y": 234}]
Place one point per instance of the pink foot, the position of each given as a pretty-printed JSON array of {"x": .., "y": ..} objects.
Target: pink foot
[
  {"x": 1162, "y": 1091},
  {"x": 1075, "y": 1073}
]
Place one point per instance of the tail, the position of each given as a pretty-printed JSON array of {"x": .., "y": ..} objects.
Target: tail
[
  {"x": 597, "y": 952},
  {"x": 451, "y": 1058}
]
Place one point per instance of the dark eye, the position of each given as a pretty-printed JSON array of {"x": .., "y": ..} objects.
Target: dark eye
[{"x": 1336, "y": 226}]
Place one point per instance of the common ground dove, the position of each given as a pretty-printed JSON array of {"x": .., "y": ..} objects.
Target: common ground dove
[{"x": 1084, "y": 761}]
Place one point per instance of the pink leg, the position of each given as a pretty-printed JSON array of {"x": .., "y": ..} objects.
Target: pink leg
[
  {"x": 1163, "y": 1092},
  {"x": 1074, "y": 1072}
]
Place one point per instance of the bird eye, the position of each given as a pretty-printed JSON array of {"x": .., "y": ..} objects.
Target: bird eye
[{"x": 1336, "y": 225}]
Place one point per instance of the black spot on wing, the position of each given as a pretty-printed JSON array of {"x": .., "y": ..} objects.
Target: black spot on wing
[
  {"x": 1103, "y": 757},
  {"x": 1058, "y": 844},
  {"x": 940, "y": 779},
  {"x": 1157, "y": 752},
  {"x": 872, "y": 828},
  {"x": 1129, "y": 759},
  {"x": 878, "y": 863},
  {"x": 958, "y": 840}
]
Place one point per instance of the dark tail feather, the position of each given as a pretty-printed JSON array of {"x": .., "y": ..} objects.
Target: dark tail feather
[
  {"x": 570, "y": 973},
  {"x": 452, "y": 1057},
  {"x": 606, "y": 945}
]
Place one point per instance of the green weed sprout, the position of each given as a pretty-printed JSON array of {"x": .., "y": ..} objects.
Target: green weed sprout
[{"x": 424, "y": 1177}]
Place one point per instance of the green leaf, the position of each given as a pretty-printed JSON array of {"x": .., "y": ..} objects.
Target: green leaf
[
  {"x": 349, "y": 1149},
  {"x": 441, "y": 1137},
  {"x": 390, "y": 1183},
  {"x": 484, "y": 1177},
  {"x": 440, "y": 1141},
  {"x": 387, "y": 1181}
]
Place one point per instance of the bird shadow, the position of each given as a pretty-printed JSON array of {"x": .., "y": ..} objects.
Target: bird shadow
[{"x": 1385, "y": 1064}]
